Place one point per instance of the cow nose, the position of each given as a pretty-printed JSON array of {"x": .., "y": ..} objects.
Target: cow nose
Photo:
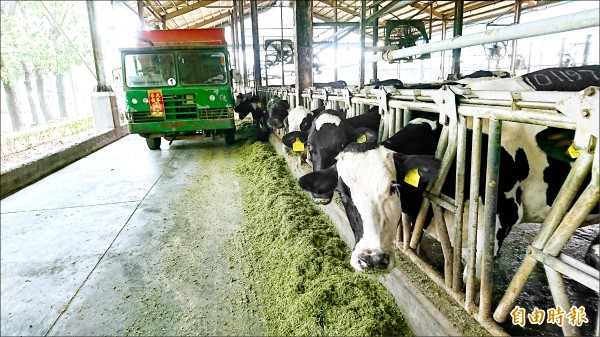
[
  {"x": 374, "y": 260},
  {"x": 275, "y": 122},
  {"x": 321, "y": 201}
]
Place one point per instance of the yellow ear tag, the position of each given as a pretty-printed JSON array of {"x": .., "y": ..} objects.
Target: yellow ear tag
[
  {"x": 298, "y": 146},
  {"x": 362, "y": 138},
  {"x": 573, "y": 152},
  {"x": 412, "y": 177},
  {"x": 259, "y": 104}
]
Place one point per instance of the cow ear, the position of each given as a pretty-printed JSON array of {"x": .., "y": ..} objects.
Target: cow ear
[
  {"x": 426, "y": 167},
  {"x": 363, "y": 134},
  {"x": 557, "y": 144},
  {"x": 289, "y": 138},
  {"x": 323, "y": 181}
]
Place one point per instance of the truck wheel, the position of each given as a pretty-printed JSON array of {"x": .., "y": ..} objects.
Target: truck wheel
[
  {"x": 153, "y": 143},
  {"x": 229, "y": 136}
]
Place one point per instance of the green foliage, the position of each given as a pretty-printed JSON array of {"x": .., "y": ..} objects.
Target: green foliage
[
  {"x": 55, "y": 131},
  {"x": 35, "y": 33},
  {"x": 300, "y": 266}
]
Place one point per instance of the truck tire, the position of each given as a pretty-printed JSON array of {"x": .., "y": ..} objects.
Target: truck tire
[
  {"x": 229, "y": 136},
  {"x": 153, "y": 143}
]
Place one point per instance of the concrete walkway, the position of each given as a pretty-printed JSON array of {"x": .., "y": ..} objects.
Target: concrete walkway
[{"x": 127, "y": 241}]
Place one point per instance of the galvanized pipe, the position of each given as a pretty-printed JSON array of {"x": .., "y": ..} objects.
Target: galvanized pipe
[
  {"x": 391, "y": 122},
  {"x": 459, "y": 198},
  {"x": 490, "y": 210},
  {"x": 564, "y": 23},
  {"x": 473, "y": 215},
  {"x": 441, "y": 200},
  {"x": 576, "y": 274},
  {"x": 399, "y": 119},
  {"x": 432, "y": 187},
  {"x": 405, "y": 232},
  {"x": 559, "y": 294},
  {"x": 582, "y": 207},
  {"x": 585, "y": 268},
  {"x": 442, "y": 233},
  {"x": 563, "y": 200},
  {"x": 407, "y": 117},
  {"x": 243, "y": 42}
]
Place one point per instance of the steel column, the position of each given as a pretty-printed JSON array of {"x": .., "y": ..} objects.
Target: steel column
[
  {"x": 458, "y": 22},
  {"x": 491, "y": 199},
  {"x": 255, "y": 44},
  {"x": 303, "y": 37},
  {"x": 475, "y": 173},
  {"x": 243, "y": 42}
]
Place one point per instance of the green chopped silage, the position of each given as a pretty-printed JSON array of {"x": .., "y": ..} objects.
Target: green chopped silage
[{"x": 299, "y": 267}]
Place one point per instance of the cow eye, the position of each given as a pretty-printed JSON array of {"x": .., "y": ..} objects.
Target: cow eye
[{"x": 395, "y": 188}]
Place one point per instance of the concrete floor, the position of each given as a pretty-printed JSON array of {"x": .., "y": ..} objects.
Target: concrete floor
[{"x": 126, "y": 241}]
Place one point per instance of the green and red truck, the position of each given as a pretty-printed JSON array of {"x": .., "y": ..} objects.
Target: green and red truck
[{"x": 177, "y": 84}]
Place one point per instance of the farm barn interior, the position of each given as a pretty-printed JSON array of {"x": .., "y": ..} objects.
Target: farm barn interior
[{"x": 179, "y": 197}]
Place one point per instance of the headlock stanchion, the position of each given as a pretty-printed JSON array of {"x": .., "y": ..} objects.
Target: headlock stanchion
[{"x": 485, "y": 112}]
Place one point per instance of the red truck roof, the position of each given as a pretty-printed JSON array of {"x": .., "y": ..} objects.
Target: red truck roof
[{"x": 183, "y": 37}]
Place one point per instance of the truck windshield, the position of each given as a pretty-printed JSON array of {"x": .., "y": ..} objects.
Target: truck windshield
[
  {"x": 149, "y": 70},
  {"x": 198, "y": 68}
]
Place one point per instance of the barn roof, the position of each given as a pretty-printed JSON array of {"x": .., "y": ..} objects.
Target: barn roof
[{"x": 179, "y": 14}]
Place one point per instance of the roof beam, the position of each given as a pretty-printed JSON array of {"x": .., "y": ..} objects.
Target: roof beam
[
  {"x": 209, "y": 21},
  {"x": 343, "y": 9},
  {"x": 392, "y": 6},
  {"x": 426, "y": 10},
  {"x": 151, "y": 11},
  {"x": 187, "y": 9}
]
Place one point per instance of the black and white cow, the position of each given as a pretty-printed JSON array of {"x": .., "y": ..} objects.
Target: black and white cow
[
  {"x": 277, "y": 111},
  {"x": 366, "y": 176},
  {"x": 529, "y": 179},
  {"x": 251, "y": 104},
  {"x": 329, "y": 133},
  {"x": 528, "y": 183},
  {"x": 393, "y": 82},
  {"x": 549, "y": 79},
  {"x": 300, "y": 119}
]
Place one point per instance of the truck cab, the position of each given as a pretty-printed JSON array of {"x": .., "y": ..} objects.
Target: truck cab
[{"x": 177, "y": 85}]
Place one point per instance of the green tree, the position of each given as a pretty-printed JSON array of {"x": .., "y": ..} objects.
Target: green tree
[
  {"x": 50, "y": 37},
  {"x": 9, "y": 66}
]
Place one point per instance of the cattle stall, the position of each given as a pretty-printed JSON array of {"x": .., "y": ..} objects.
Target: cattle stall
[{"x": 486, "y": 110}]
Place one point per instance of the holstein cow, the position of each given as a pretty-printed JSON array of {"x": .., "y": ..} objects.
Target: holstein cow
[
  {"x": 366, "y": 176},
  {"x": 252, "y": 104},
  {"x": 277, "y": 111},
  {"x": 300, "y": 119},
  {"x": 329, "y": 134},
  {"x": 364, "y": 171},
  {"x": 528, "y": 184},
  {"x": 549, "y": 79}
]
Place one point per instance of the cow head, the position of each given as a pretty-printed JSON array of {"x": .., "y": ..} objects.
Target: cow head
[
  {"x": 370, "y": 174},
  {"x": 248, "y": 103},
  {"x": 277, "y": 111},
  {"x": 327, "y": 136},
  {"x": 298, "y": 119}
]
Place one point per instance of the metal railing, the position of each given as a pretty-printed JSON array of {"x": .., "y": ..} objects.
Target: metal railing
[{"x": 483, "y": 110}]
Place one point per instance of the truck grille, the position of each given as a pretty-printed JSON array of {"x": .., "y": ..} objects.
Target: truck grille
[{"x": 182, "y": 107}]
